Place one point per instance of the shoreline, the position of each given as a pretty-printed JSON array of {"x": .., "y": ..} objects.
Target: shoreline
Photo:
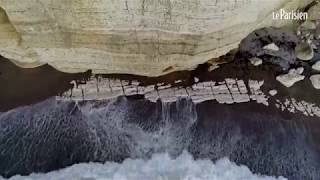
[{"x": 52, "y": 117}]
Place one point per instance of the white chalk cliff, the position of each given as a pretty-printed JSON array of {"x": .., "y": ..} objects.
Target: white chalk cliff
[{"x": 145, "y": 37}]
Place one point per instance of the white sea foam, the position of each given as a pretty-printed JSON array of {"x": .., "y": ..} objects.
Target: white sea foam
[{"x": 159, "y": 167}]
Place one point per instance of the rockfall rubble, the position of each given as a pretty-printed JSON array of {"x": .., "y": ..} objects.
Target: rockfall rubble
[
  {"x": 315, "y": 79},
  {"x": 289, "y": 79},
  {"x": 229, "y": 91}
]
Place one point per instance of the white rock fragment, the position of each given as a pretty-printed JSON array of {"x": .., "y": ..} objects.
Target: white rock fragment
[
  {"x": 255, "y": 61},
  {"x": 293, "y": 106},
  {"x": 167, "y": 95},
  {"x": 135, "y": 83},
  {"x": 304, "y": 51},
  {"x": 296, "y": 71},
  {"x": 256, "y": 93},
  {"x": 291, "y": 78},
  {"x": 180, "y": 92},
  {"x": 242, "y": 87},
  {"x": 273, "y": 92},
  {"x": 229, "y": 91},
  {"x": 149, "y": 88},
  {"x": 164, "y": 86},
  {"x": 315, "y": 80},
  {"x": 298, "y": 32},
  {"x": 196, "y": 79},
  {"x": 271, "y": 47},
  {"x": 213, "y": 67},
  {"x": 130, "y": 89},
  {"x": 153, "y": 96},
  {"x": 141, "y": 90},
  {"x": 316, "y": 66},
  {"x": 300, "y": 70}
]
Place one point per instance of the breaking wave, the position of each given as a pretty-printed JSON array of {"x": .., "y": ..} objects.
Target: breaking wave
[
  {"x": 52, "y": 135},
  {"x": 159, "y": 167}
]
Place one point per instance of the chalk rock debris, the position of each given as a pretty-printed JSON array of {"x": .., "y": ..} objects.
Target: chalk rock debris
[
  {"x": 271, "y": 47},
  {"x": 292, "y": 105},
  {"x": 255, "y": 61},
  {"x": 273, "y": 92},
  {"x": 315, "y": 80},
  {"x": 229, "y": 91},
  {"x": 289, "y": 79},
  {"x": 316, "y": 66},
  {"x": 304, "y": 51}
]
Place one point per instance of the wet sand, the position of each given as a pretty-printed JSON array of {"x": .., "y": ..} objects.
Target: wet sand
[{"x": 19, "y": 87}]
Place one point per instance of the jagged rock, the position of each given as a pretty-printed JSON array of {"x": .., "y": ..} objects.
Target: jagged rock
[
  {"x": 252, "y": 46},
  {"x": 309, "y": 32},
  {"x": 292, "y": 105},
  {"x": 213, "y": 67},
  {"x": 299, "y": 70},
  {"x": 273, "y": 92},
  {"x": 255, "y": 61},
  {"x": 304, "y": 51},
  {"x": 314, "y": 12},
  {"x": 315, "y": 79},
  {"x": 291, "y": 78},
  {"x": 316, "y": 66},
  {"x": 133, "y": 37},
  {"x": 271, "y": 47},
  {"x": 308, "y": 25},
  {"x": 229, "y": 91}
]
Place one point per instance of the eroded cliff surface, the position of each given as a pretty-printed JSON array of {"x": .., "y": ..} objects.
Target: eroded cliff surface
[{"x": 144, "y": 37}]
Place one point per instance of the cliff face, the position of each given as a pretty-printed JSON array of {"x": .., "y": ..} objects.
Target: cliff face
[{"x": 144, "y": 37}]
